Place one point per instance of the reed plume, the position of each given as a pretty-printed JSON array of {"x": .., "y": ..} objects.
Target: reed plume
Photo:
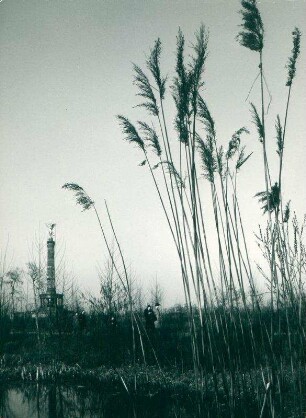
[
  {"x": 234, "y": 143},
  {"x": 153, "y": 64},
  {"x": 150, "y": 135},
  {"x": 131, "y": 133},
  {"x": 82, "y": 197},
  {"x": 252, "y": 34},
  {"x": 206, "y": 118},
  {"x": 257, "y": 122},
  {"x": 286, "y": 214},
  {"x": 181, "y": 91},
  {"x": 197, "y": 65},
  {"x": 271, "y": 200},
  {"x": 145, "y": 91},
  {"x": 279, "y": 136},
  {"x": 209, "y": 162},
  {"x": 242, "y": 158},
  {"x": 291, "y": 66}
]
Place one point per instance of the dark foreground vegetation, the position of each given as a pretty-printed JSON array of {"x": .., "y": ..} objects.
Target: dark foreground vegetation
[
  {"x": 231, "y": 350},
  {"x": 99, "y": 356},
  {"x": 97, "y": 341}
]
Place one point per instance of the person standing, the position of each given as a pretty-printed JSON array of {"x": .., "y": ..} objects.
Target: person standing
[
  {"x": 158, "y": 318},
  {"x": 150, "y": 318},
  {"x": 82, "y": 321}
]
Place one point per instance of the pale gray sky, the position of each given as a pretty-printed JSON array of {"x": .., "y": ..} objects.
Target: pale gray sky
[{"x": 65, "y": 72}]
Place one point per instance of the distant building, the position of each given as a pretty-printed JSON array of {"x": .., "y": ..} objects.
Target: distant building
[{"x": 51, "y": 302}]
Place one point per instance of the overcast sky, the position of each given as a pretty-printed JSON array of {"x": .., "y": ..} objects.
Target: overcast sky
[{"x": 66, "y": 72}]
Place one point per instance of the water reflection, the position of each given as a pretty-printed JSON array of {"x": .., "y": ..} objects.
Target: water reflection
[{"x": 57, "y": 401}]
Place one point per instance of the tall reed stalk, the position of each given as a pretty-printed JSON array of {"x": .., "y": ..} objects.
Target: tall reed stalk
[{"x": 84, "y": 200}]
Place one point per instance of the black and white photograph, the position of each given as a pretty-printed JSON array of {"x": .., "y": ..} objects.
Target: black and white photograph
[{"x": 152, "y": 209}]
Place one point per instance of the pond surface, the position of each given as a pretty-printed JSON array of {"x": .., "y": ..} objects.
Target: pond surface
[
  {"x": 31, "y": 400},
  {"x": 57, "y": 401}
]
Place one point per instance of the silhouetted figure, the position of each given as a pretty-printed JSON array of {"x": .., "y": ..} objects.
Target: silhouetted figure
[
  {"x": 150, "y": 318},
  {"x": 158, "y": 316},
  {"x": 82, "y": 321}
]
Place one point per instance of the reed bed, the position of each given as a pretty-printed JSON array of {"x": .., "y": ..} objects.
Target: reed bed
[{"x": 225, "y": 305}]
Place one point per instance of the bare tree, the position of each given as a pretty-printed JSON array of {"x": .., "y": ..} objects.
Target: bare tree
[
  {"x": 14, "y": 281},
  {"x": 156, "y": 293},
  {"x": 35, "y": 274},
  {"x": 113, "y": 298}
]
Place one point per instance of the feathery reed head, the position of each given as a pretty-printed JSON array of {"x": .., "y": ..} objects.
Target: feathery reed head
[
  {"x": 257, "y": 122},
  {"x": 271, "y": 201},
  {"x": 242, "y": 158},
  {"x": 206, "y": 118},
  {"x": 220, "y": 162},
  {"x": 82, "y": 197},
  {"x": 234, "y": 143},
  {"x": 153, "y": 64},
  {"x": 252, "y": 34},
  {"x": 145, "y": 91},
  {"x": 209, "y": 161},
  {"x": 279, "y": 136},
  {"x": 180, "y": 46},
  {"x": 151, "y": 136},
  {"x": 181, "y": 91},
  {"x": 234, "y": 147},
  {"x": 286, "y": 214},
  {"x": 130, "y": 131},
  {"x": 206, "y": 148},
  {"x": 198, "y": 64},
  {"x": 296, "y": 36}
]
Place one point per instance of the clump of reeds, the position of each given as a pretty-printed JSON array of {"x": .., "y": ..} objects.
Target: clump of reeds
[{"x": 218, "y": 302}]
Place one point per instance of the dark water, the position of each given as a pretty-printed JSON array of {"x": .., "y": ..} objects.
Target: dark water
[
  {"x": 58, "y": 401},
  {"x": 73, "y": 401}
]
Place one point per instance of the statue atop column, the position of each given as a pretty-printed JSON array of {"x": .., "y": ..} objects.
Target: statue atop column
[{"x": 51, "y": 228}]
